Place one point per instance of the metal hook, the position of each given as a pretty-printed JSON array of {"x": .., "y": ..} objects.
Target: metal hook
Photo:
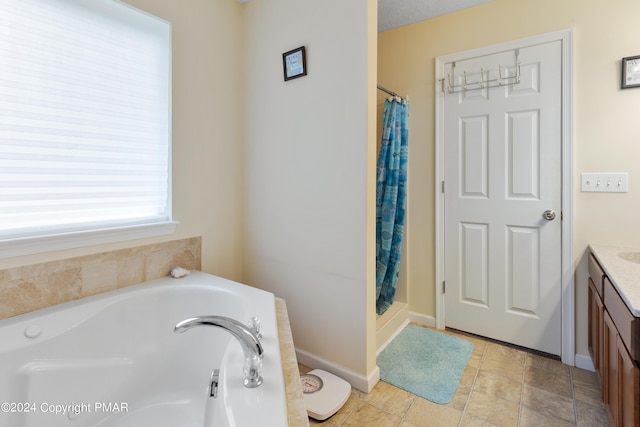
[{"x": 451, "y": 85}]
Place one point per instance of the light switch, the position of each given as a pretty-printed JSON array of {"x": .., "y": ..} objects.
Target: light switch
[{"x": 605, "y": 182}]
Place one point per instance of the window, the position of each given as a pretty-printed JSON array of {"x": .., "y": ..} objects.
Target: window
[{"x": 84, "y": 122}]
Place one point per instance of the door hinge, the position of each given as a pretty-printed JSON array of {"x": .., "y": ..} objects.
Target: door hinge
[
  {"x": 442, "y": 187},
  {"x": 444, "y": 287}
]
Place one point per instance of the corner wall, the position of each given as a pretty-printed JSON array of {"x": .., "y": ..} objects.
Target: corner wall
[
  {"x": 310, "y": 159},
  {"x": 604, "y": 119}
]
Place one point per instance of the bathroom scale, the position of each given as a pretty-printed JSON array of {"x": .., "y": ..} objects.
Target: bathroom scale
[{"x": 324, "y": 393}]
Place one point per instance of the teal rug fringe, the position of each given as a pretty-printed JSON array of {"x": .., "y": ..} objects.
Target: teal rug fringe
[{"x": 425, "y": 362}]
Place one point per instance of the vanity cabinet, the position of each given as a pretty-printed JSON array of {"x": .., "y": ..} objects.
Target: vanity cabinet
[{"x": 614, "y": 344}]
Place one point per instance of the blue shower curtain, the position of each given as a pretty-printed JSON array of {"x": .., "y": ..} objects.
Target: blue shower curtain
[{"x": 391, "y": 200}]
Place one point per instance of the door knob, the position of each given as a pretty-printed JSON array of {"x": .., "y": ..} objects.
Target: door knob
[{"x": 549, "y": 215}]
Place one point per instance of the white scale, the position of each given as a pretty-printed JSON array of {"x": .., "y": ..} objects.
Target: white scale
[{"x": 324, "y": 393}]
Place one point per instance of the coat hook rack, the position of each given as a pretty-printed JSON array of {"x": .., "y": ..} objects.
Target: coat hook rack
[{"x": 449, "y": 86}]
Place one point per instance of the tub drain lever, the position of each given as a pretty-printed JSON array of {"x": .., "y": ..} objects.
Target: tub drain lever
[{"x": 213, "y": 386}]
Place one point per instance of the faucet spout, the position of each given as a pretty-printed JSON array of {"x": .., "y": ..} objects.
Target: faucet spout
[{"x": 247, "y": 339}]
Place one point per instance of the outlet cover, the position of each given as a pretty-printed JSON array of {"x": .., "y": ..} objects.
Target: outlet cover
[{"x": 605, "y": 182}]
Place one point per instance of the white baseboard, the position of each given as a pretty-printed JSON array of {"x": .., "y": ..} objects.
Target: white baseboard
[
  {"x": 581, "y": 361},
  {"x": 584, "y": 362},
  {"x": 422, "y": 319},
  {"x": 361, "y": 382}
]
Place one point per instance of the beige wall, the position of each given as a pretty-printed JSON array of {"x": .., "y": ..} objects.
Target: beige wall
[
  {"x": 310, "y": 156},
  {"x": 605, "y": 129},
  {"x": 207, "y": 137}
]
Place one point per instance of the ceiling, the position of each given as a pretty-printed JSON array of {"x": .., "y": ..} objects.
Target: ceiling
[{"x": 396, "y": 13}]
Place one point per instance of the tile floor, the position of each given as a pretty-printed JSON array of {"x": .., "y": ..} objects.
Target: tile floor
[{"x": 501, "y": 386}]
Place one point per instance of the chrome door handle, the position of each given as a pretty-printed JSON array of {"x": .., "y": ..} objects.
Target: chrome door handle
[{"x": 549, "y": 215}]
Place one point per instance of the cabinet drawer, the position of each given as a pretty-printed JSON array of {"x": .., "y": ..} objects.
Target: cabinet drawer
[
  {"x": 628, "y": 326},
  {"x": 596, "y": 273}
]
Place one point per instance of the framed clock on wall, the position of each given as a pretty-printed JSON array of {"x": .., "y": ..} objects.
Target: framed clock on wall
[{"x": 630, "y": 72}]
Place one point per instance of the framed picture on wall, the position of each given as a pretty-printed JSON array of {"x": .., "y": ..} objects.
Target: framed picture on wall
[
  {"x": 294, "y": 63},
  {"x": 631, "y": 72}
]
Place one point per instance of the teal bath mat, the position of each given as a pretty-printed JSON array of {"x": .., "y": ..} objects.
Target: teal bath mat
[{"x": 425, "y": 362}]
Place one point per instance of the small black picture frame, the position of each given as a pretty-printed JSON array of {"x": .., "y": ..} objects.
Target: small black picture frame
[
  {"x": 630, "y": 72},
  {"x": 294, "y": 63}
]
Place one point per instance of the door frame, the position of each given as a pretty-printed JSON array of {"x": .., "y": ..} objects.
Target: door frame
[{"x": 568, "y": 270}]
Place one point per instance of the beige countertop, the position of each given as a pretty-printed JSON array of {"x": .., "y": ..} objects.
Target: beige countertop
[{"x": 622, "y": 266}]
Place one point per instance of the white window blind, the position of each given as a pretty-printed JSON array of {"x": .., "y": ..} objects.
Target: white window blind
[{"x": 84, "y": 117}]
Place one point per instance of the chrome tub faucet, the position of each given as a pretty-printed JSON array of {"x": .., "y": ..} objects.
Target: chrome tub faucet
[{"x": 250, "y": 343}]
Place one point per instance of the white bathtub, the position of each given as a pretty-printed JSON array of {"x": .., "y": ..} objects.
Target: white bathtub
[{"x": 113, "y": 360}]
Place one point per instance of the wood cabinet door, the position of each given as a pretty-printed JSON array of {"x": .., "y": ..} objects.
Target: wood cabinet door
[
  {"x": 596, "y": 321},
  {"x": 629, "y": 386},
  {"x": 593, "y": 322},
  {"x": 610, "y": 375}
]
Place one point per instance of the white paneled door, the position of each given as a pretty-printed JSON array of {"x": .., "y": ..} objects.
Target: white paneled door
[{"x": 503, "y": 177}]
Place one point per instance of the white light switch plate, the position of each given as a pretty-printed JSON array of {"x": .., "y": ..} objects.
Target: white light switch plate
[{"x": 605, "y": 182}]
